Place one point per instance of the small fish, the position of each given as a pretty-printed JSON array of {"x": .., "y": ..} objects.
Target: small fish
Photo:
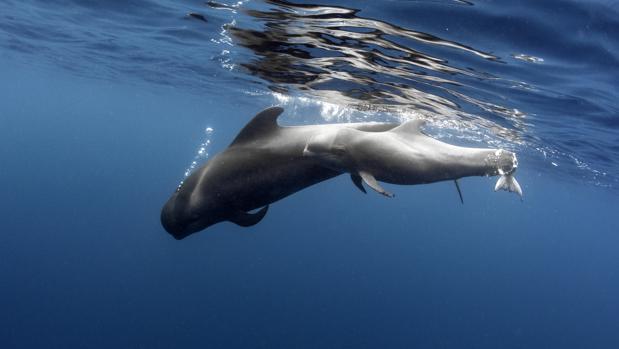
[{"x": 509, "y": 183}]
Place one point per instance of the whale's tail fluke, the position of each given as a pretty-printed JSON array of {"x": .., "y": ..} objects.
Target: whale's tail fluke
[{"x": 509, "y": 183}]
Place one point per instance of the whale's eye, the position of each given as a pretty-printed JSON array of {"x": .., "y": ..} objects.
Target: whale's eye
[{"x": 339, "y": 150}]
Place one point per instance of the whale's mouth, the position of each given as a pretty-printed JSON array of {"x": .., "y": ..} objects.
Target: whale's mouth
[
  {"x": 177, "y": 225},
  {"x": 180, "y": 231},
  {"x": 172, "y": 226},
  {"x": 507, "y": 163}
]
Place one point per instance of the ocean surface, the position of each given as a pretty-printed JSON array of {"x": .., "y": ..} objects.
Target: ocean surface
[{"x": 106, "y": 106}]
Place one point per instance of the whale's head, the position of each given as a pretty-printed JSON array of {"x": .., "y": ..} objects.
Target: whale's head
[
  {"x": 188, "y": 210},
  {"x": 503, "y": 162},
  {"x": 182, "y": 220}
]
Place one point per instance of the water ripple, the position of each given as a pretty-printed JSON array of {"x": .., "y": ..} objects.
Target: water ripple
[
  {"x": 516, "y": 91},
  {"x": 535, "y": 76},
  {"x": 331, "y": 53}
]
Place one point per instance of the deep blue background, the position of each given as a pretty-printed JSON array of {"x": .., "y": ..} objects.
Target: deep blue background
[
  {"x": 84, "y": 262},
  {"x": 86, "y": 164}
]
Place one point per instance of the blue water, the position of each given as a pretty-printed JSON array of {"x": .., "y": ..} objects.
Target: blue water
[{"x": 105, "y": 105}]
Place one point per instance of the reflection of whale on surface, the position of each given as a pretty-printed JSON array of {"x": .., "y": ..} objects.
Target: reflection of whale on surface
[{"x": 267, "y": 162}]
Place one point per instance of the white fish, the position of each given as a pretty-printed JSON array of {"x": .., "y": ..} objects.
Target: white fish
[{"x": 509, "y": 183}]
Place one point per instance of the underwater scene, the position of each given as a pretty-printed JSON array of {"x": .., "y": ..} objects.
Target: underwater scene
[{"x": 309, "y": 174}]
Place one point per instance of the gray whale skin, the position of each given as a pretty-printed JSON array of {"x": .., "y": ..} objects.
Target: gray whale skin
[{"x": 267, "y": 162}]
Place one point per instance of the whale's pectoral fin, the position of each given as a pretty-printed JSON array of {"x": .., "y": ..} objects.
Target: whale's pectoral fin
[
  {"x": 509, "y": 183},
  {"x": 246, "y": 219},
  {"x": 459, "y": 191},
  {"x": 372, "y": 183},
  {"x": 356, "y": 179}
]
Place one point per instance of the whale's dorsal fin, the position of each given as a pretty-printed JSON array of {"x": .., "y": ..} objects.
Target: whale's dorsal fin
[
  {"x": 410, "y": 127},
  {"x": 261, "y": 124},
  {"x": 372, "y": 183},
  {"x": 246, "y": 219}
]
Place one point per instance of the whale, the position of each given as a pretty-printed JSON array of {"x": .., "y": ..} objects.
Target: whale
[
  {"x": 267, "y": 162},
  {"x": 262, "y": 165},
  {"x": 405, "y": 155}
]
